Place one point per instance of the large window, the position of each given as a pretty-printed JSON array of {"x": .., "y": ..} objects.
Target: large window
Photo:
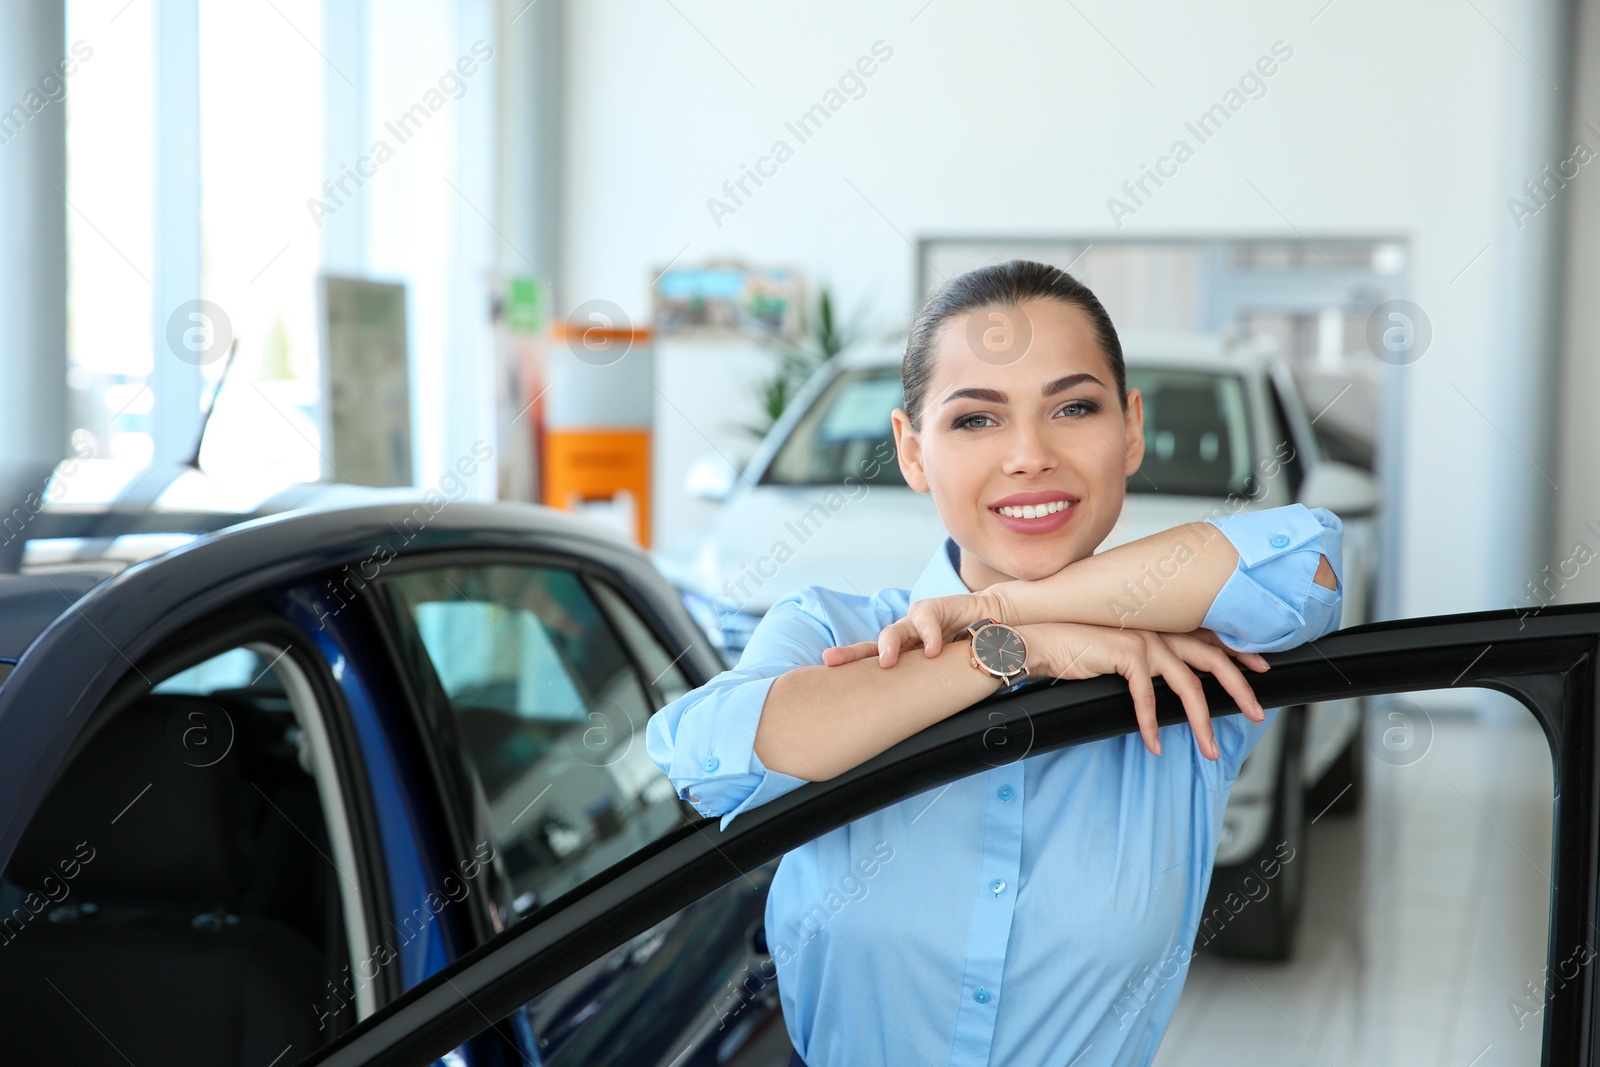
[
  {"x": 260, "y": 151},
  {"x": 262, "y": 77},
  {"x": 109, "y": 253}
]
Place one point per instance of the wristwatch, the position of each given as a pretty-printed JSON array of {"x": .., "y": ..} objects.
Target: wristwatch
[{"x": 999, "y": 650}]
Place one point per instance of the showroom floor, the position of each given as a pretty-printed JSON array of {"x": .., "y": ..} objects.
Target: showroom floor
[{"x": 1426, "y": 919}]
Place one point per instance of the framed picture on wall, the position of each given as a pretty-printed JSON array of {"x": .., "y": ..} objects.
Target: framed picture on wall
[{"x": 728, "y": 297}]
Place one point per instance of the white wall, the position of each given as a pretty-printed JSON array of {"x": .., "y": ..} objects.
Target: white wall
[
  {"x": 703, "y": 393},
  {"x": 1574, "y": 565},
  {"x": 1011, "y": 118}
]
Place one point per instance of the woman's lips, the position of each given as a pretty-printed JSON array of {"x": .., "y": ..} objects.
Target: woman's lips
[{"x": 1045, "y": 524}]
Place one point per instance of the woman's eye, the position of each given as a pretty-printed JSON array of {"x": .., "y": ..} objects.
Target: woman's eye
[{"x": 1075, "y": 408}]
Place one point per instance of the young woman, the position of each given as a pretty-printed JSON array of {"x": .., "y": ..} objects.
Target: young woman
[{"x": 1042, "y": 912}]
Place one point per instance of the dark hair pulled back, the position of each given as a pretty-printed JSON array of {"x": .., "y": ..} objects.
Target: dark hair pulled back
[{"x": 1001, "y": 284}]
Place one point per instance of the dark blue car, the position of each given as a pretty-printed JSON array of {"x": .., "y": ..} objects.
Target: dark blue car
[{"x": 258, "y": 786}]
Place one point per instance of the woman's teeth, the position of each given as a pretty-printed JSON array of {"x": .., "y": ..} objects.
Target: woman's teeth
[{"x": 1035, "y": 511}]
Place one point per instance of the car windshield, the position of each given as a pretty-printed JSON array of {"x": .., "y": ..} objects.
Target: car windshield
[
  {"x": 845, "y": 433},
  {"x": 1195, "y": 423}
]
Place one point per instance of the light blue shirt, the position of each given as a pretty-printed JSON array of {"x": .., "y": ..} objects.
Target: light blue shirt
[{"x": 1040, "y": 912}]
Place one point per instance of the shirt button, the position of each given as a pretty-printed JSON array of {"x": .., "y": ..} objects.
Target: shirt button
[
  {"x": 1279, "y": 540},
  {"x": 998, "y": 886},
  {"x": 711, "y": 763},
  {"x": 981, "y": 996},
  {"x": 1005, "y": 792}
]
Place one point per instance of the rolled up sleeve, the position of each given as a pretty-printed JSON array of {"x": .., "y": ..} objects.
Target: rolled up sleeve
[
  {"x": 704, "y": 742},
  {"x": 1271, "y": 601}
]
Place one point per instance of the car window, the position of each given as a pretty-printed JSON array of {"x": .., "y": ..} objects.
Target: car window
[
  {"x": 845, "y": 433},
  {"x": 183, "y": 883},
  {"x": 550, "y": 709},
  {"x": 665, "y": 672}
]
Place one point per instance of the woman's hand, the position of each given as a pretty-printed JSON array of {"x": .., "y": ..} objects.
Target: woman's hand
[
  {"x": 928, "y": 623},
  {"x": 1081, "y": 650}
]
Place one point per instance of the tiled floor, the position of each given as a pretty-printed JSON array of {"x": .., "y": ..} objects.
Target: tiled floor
[{"x": 1426, "y": 919}]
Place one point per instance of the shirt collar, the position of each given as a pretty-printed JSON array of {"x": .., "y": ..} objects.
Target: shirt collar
[{"x": 942, "y": 575}]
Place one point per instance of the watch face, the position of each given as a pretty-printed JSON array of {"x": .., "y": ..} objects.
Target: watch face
[{"x": 999, "y": 649}]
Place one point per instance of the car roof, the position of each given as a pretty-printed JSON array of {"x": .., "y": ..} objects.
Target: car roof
[
  {"x": 73, "y": 545},
  {"x": 1210, "y": 352},
  {"x": 30, "y": 602}
]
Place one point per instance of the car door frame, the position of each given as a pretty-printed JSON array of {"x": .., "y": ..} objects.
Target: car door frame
[{"x": 1546, "y": 660}]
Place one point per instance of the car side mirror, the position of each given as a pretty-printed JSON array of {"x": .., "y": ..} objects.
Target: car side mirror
[
  {"x": 1341, "y": 488},
  {"x": 711, "y": 476}
]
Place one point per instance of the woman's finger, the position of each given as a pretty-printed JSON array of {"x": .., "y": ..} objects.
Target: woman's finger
[
  {"x": 1223, "y": 669},
  {"x": 839, "y": 655},
  {"x": 1183, "y": 681},
  {"x": 1254, "y": 660},
  {"x": 1133, "y": 665},
  {"x": 895, "y": 637},
  {"x": 924, "y": 617}
]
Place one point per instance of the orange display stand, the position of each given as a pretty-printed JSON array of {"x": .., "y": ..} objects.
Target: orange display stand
[{"x": 596, "y": 452}]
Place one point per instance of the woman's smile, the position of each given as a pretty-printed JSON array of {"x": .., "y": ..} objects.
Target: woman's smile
[{"x": 1035, "y": 513}]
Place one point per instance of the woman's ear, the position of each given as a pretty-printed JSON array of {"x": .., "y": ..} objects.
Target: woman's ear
[
  {"x": 908, "y": 451},
  {"x": 1133, "y": 428}
]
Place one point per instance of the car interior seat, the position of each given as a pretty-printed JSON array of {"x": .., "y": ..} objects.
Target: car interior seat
[{"x": 166, "y": 919}]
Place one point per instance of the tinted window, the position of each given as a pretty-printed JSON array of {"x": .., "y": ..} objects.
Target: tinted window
[
  {"x": 551, "y": 714},
  {"x": 665, "y": 672},
  {"x": 1196, "y": 432}
]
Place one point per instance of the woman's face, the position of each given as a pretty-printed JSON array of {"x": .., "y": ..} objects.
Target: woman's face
[{"x": 1021, "y": 403}]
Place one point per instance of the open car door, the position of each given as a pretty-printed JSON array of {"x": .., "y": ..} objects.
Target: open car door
[{"x": 1544, "y": 660}]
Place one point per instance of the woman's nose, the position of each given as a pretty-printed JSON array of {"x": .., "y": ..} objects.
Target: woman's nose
[{"x": 1030, "y": 449}]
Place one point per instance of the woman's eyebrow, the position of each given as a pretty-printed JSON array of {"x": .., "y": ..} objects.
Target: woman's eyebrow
[{"x": 995, "y": 396}]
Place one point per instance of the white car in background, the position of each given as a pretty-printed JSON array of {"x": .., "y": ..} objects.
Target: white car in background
[{"x": 822, "y": 502}]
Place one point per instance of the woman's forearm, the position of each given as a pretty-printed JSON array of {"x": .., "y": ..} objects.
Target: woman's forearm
[
  {"x": 1166, "y": 582},
  {"x": 820, "y": 721}
]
